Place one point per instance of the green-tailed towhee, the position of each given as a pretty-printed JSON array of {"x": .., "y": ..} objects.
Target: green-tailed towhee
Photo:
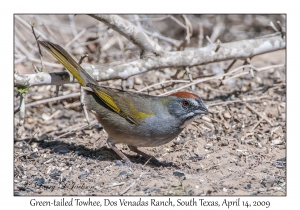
[{"x": 135, "y": 119}]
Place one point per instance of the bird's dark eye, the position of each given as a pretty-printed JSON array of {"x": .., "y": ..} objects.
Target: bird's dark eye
[{"x": 185, "y": 103}]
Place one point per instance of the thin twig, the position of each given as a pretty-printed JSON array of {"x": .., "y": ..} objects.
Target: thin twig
[
  {"x": 218, "y": 91},
  {"x": 222, "y": 75},
  {"x": 55, "y": 65},
  {"x": 160, "y": 36},
  {"x": 217, "y": 121},
  {"x": 280, "y": 26},
  {"x": 20, "y": 173},
  {"x": 73, "y": 95},
  {"x": 235, "y": 76},
  {"x": 210, "y": 167},
  {"x": 72, "y": 24},
  {"x": 109, "y": 43},
  {"x": 259, "y": 114},
  {"x": 208, "y": 39},
  {"x": 216, "y": 32},
  {"x": 200, "y": 36},
  {"x": 24, "y": 154},
  {"x": 189, "y": 27},
  {"x": 218, "y": 45},
  {"x": 137, "y": 18},
  {"x": 36, "y": 38},
  {"x": 84, "y": 107},
  {"x": 133, "y": 183},
  {"x": 26, "y": 25},
  {"x": 17, "y": 110},
  {"x": 236, "y": 101},
  {"x": 190, "y": 76},
  {"x": 147, "y": 161},
  {"x": 53, "y": 34},
  {"x": 56, "y": 90},
  {"x": 160, "y": 83},
  {"x": 230, "y": 65},
  {"x": 22, "y": 48},
  {"x": 79, "y": 128},
  {"x": 115, "y": 184},
  {"x": 89, "y": 42},
  {"x": 75, "y": 38},
  {"x": 177, "y": 21},
  {"x": 82, "y": 57},
  {"x": 22, "y": 108},
  {"x": 261, "y": 119},
  {"x": 273, "y": 26}
]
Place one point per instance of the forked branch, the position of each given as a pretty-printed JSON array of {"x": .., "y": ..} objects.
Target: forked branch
[{"x": 156, "y": 58}]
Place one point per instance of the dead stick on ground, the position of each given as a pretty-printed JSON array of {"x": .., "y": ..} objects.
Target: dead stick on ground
[
  {"x": 53, "y": 99},
  {"x": 217, "y": 121},
  {"x": 81, "y": 127},
  {"x": 133, "y": 183},
  {"x": 252, "y": 129},
  {"x": 18, "y": 170},
  {"x": 148, "y": 161},
  {"x": 259, "y": 114}
]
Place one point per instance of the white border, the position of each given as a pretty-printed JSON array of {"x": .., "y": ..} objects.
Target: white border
[{"x": 153, "y": 6}]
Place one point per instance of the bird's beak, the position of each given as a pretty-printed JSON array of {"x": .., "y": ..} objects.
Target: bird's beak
[{"x": 202, "y": 110}]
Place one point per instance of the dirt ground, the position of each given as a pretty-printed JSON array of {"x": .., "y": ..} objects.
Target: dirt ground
[{"x": 242, "y": 151}]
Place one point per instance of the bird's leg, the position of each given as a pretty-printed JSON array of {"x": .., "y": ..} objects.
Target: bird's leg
[
  {"x": 124, "y": 158},
  {"x": 152, "y": 159}
]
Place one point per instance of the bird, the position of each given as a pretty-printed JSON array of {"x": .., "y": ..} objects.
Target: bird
[{"x": 132, "y": 118}]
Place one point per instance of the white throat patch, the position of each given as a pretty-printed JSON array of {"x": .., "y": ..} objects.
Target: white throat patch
[{"x": 189, "y": 121}]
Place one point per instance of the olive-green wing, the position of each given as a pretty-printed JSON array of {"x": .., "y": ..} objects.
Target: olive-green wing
[{"x": 126, "y": 104}]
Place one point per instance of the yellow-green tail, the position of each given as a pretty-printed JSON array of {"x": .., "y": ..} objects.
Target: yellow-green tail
[
  {"x": 65, "y": 59},
  {"x": 83, "y": 77}
]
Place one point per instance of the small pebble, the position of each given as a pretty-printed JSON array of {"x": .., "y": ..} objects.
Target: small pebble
[
  {"x": 122, "y": 173},
  {"x": 208, "y": 146},
  {"x": 40, "y": 182},
  {"x": 206, "y": 119},
  {"x": 63, "y": 151},
  {"x": 45, "y": 116},
  {"x": 277, "y": 141},
  {"x": 195, "y": 158},
  {"x": 179, "y": 174},
  {"x": 179, "y": 140},
  {"x": 227, "y": 115},
  {"x": 82, "y": 176},
  {"x": 254, "y": 193},
  {"x": 248, "y": 186}
]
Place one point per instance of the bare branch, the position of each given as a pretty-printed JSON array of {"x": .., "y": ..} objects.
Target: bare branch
[
  {"x": 131, "y": 32},
  {"x": 27, "y": 25},
  {"x": 42, "y": 78},
  {"x": 228, "y": 51}
]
